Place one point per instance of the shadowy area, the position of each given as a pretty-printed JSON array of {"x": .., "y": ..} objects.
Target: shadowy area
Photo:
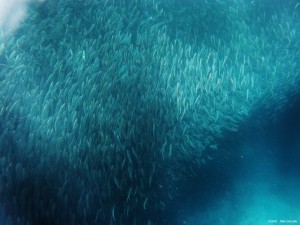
[{"x": 252, "y": 179}]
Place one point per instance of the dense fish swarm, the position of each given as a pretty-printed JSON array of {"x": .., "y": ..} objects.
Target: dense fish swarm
[{"x": 108, "y": 106}]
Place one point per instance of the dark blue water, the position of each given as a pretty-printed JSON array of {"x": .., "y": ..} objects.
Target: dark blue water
[{"x": 255, "y": 181}]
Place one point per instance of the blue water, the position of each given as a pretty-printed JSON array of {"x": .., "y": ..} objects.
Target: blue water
[
  {"x": 256, "y": 182},
  {"x": 162, "y": 112}
]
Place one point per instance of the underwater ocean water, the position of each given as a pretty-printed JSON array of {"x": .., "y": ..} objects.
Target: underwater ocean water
[{"x": 168, "y": 112}]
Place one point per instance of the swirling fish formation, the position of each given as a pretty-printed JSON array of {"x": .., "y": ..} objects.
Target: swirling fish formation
[{"x": 107, "y": 106}]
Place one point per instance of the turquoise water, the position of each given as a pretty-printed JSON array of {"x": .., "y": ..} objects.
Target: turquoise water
[
  {"x": 256, "y": 184},
  {"x": 149, "y": 112}
]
